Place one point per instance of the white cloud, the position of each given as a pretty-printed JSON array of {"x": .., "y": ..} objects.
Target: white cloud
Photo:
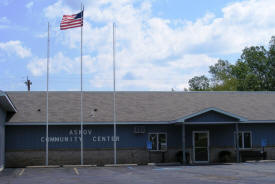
[
  {"x": 4, "y": 20},
  {"x": 60, "y": 63},
  {"x": 6, "y": 2},
  {"x": 192, "y": 61},
  {"x": 56, "y": 10},
  {"x": 4, "y": 23},
  {"x": 29, "y": 5},
  {"x": 37, "y": 66},
  {"x": 15, "y": 47},
  {"x": 159, "y": 53},
  {"x": 42, "y": 35}
]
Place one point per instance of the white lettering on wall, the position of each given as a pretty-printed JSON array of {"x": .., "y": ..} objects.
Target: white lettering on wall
[
  {"x": 78, "y": 132},
  {"x": 75, "y": 136}
]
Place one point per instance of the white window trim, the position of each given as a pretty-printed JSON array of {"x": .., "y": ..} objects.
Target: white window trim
[
  {"x": 158, "y": 140},
  {"x": 242, "y": 132}
]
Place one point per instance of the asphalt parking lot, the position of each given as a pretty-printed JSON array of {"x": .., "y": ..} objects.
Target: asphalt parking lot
[{"x": 233, "y": 173}]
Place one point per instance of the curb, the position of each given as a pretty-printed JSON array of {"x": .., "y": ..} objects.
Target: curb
[
  {"x": 165, "y": 164},
  {"x": 259, "y": 161},
  {"x": 67, "y": 166},
  {"x": 119, "y": 165},
  {"x": 43, "y": 166},
  {"x": 267, "y": 161}
]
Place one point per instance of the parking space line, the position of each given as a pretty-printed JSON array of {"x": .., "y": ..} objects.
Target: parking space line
[
  {"x": 130, "y": 168},
  {"x": 21, "y": 172},
  {"x": 76, "y": 171},
  {"x": 167, "y": 168}
]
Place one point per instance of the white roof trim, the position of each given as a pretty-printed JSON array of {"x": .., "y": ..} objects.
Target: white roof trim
[
  {"x": 8, "y": 100},
  {"x": 90, "y": 123},
  {"x": 135, "y": 123}
]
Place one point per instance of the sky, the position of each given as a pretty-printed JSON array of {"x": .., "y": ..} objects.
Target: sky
[{"x": 160, "y": 44}]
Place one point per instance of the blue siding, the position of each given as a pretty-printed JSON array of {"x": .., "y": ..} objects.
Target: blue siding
[
  {"x": 29, "y": 137},
  {"x": 24, "y": 137},
  {"x": 2, "y": 137},
  {"x": 259, "y": 132},
  {"x": 220, "y": 135},
  {"x": 212, "y": 116},
  {"x": 223, "y": 135}
]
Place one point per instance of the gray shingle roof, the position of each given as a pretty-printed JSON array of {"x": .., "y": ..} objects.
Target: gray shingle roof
[{"x": 138, "y": 106}]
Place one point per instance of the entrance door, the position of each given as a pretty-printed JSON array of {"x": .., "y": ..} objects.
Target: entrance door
[{"x": 201, "y": 146}]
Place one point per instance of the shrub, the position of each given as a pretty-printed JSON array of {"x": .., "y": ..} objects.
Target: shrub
[{"x": 225, "y": 156}]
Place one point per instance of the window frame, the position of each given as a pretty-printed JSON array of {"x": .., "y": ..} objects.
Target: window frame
[
  {"x": 194, "y": 147},
  {"x": 242, "y": 135},
  {"x": 158, "y": 133}
]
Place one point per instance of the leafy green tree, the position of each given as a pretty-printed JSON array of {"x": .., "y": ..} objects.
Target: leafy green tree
[
  {"x": 221, "y": 71},
  {"x": 257, "y": 70},
  {"x": 200, "y": 83},
  {"x": 254, "y": 71},
  {"x": 271, "y": 60},
  {"x": 227, "y": 85},
  {"x": 222, "y": 79}
]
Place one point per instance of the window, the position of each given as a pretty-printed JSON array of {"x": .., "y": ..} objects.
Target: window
[
  {"x": 159, "y": 141},
  {"x": 245, "y": 139}
]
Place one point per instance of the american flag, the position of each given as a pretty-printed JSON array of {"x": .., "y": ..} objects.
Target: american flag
[{"x": 71, "y": 21}]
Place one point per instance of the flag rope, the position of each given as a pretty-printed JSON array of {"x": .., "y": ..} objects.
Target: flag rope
[
  {"x": 81, "y": 98},
  {"x": 47, "y": 101},
  {"x": 114, "y": 92}
]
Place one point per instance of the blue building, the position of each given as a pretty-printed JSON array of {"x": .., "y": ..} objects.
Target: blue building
[{"x": 151, "y": 127}]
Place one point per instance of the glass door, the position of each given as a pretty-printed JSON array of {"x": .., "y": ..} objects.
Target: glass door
[{"x": 201, "y": 146}]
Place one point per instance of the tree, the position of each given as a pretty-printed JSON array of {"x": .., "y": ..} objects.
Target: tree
[
  {"x": 254, "y": 71},
  {"x": 257, "y": 70},
  {"x": 245, "y": 80},
  {"x": 271, "y": 61},
  {"x": 222, "y": 79},
  {"x": 200, "y": 83},
  {"x": 221, "y": 71}
]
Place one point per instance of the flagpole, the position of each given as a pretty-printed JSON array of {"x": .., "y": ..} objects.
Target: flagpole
[
  {"x": 47, "y": 103},
  {"x": 114, "y": 92},
  {"x": 81, "y": 98}
]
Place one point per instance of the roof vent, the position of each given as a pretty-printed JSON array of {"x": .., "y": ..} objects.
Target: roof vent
[{"x": 93, "y": 112}]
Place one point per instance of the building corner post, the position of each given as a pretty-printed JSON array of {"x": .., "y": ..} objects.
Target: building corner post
[
  {"x": 183, "y": 143},
  {"x": 237, "y": 143}
]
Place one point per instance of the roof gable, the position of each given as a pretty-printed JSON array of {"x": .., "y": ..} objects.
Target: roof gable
[{"x": 212, "y": 115}]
